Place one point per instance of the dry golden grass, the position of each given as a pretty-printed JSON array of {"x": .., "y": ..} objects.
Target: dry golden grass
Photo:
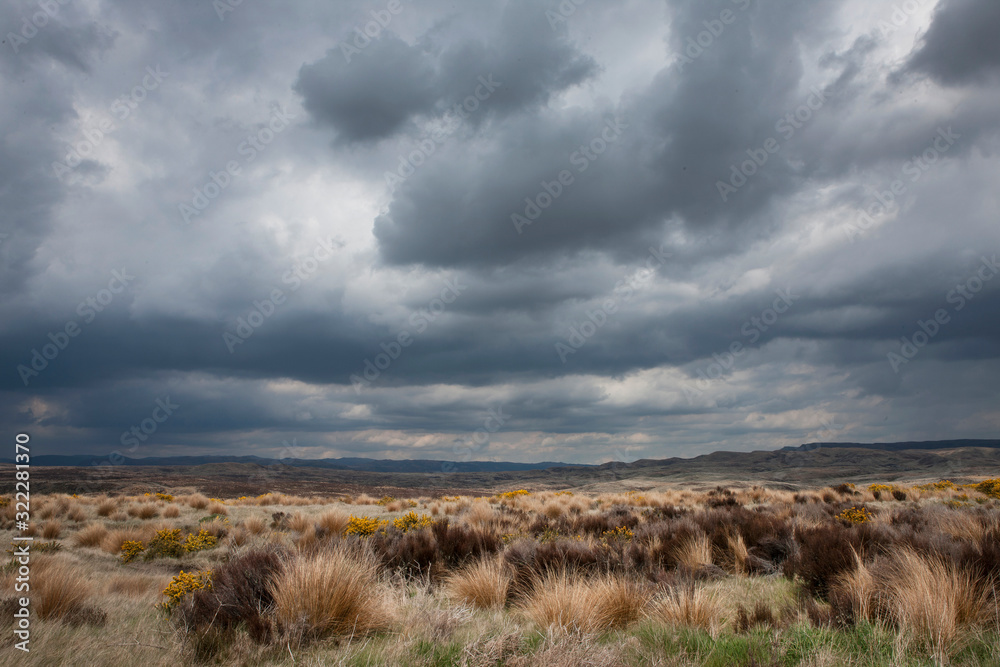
[
  {"x": 299, "y": 522},
  {"x": 90, "y": 535},
  {"x": 331, "y": 593},
  {"x": 480, "y": 515},
  {"x": 238, "y": 537},
  {"x": 484, "y": 584},
  {"x": 255, "y": 525},
  {"x": 58, "y": 588},
  {"x": 143, "y": 511},
  {"x": 695, "y": 552},
  {"x": 51, "y": 529},
  {"x": 135, "y": 585},
  {"x": 197, "y": 501},
  {"x": 585, "y": 605},
  {"x": 112, "y": 542},
  {"x": 171, "y": 512},
  {"x": 554, "y": 509},
  {"x": 333, "y": 521},
  {"x": 932, "y": 600},
  {"x": 77, "y": 514},
  {"x": 689, "y": 607},
  {"x": 736, "y": 554},
  {"x": 217, "y": 508},
  {"x": 216, "y": 527}
]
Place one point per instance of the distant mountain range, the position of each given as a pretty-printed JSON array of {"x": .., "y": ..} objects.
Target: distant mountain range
[
  {"x": 895, "y": 446},
  {"x": 359, "y": 464},
  {"x": 432, "y": 466}
]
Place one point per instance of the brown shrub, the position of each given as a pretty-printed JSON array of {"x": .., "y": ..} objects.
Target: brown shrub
[
  {"x": 413, "y": 552},
  {"x": 241, "y": 593},
  {"x": 823, "y": 553},
  {"x": 457, "y": 544}
]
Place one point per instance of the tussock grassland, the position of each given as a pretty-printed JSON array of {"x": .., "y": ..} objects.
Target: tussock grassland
[{"x": 883, "y": 575}]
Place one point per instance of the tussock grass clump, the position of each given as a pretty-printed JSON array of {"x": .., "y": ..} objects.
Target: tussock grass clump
[
  {"x": 171, "y": 512},
  {"x": 51, "y": 529},
  {"x": 694, "y": 553},
  {"x": 105, "y": 506},
  {"x": 925, "y": 597},
  {"x": 299, "y": 522},
  {"x": 90, "y": 535},
  {"x": 197, "y": 501},
  {"x": 333, "y": 521},
  {"x": 143, "y": 511},
  {"x": 334, "y": 592},
  {"x": 689, "y": 606},
  {"x": 255, "y": 525},
  {"x": 113, "y": 541},
  {"x": 61, "y": 591},
  {"x": 218, "y": 508},
  {"x": 484, "y": 584},
  {"x": 585, "y": 605}
]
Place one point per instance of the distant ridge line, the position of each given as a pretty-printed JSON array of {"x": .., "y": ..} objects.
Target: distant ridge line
[
  {"x": 895, "y": 446},
  {"x": 357, "y": 464}
]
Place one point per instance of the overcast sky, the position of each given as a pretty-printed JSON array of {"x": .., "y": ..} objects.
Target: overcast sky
[{"x": 515, "y": 230}]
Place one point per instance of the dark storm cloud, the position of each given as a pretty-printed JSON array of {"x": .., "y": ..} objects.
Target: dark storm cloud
[
  {"x": 645, "y": 125},
  {"x": 672, "y": 143},
  {"x": 961, "y": 45},
  {"x": 373, "y": 93}
]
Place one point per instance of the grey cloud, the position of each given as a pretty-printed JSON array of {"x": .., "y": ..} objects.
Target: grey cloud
[{"x": 960, "y": 46}]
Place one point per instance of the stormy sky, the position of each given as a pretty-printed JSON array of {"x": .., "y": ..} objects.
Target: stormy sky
[{"x": 520, "y": 230}]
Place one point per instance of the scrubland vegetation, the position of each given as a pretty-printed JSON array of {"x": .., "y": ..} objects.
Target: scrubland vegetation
[{"x": 883, "y": 575}]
